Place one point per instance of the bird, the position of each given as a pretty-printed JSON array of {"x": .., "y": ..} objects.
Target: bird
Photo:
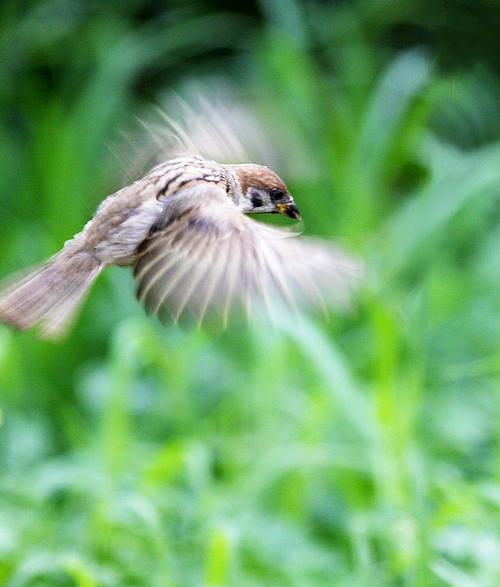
[
  {"x": 186, "y": 230},
  {"x": 186, "y": 227}
]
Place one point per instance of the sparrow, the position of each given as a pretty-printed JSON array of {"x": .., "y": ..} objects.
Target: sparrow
[{"x": 185, "y": 229}]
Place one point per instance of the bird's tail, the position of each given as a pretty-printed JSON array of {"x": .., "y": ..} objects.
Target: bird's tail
[{"x": 51, "y": 294}]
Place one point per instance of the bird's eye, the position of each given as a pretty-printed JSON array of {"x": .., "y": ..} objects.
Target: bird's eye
[{"x": 276, "y": 194}]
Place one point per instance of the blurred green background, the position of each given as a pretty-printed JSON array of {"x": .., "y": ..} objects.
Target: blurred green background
[{"x": 358, "y": 452}]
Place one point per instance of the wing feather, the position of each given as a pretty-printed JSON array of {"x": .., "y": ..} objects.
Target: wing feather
[{"x": 207, "y": 256}]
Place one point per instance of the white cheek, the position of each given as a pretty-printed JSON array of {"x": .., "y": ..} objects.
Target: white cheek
[
  {"x": 243, "y": 204},
  {"x": 259, "y": 199}
]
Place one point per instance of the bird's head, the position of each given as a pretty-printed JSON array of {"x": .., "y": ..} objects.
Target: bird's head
[{"x": 262, "y": 191}]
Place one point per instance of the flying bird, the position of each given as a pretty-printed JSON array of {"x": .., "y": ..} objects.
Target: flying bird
[{"x": 185, "y": 230}]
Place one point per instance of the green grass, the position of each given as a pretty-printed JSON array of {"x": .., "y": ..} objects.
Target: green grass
[{"x": 362, "y": 451}]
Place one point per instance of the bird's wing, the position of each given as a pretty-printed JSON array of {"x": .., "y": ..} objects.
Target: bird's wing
[{"x": 205, "y": 255}]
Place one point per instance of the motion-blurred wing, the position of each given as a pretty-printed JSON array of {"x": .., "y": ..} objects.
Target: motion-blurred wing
[
  {"x": 209, "y": 119},
  {"x": 205, "y": 255}
]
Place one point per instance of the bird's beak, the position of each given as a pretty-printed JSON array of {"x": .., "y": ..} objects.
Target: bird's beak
[{"x": 289, "y": 209}]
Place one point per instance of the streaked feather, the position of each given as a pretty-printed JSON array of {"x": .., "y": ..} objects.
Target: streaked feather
[{"x": 210, "y": 257}]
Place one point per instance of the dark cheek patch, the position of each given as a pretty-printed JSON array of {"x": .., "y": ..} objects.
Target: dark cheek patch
[{"x": 256, "y": 201}]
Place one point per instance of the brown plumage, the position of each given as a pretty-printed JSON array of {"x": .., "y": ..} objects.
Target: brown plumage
[
  {"x": 257, "y": 176},
  {"x": 183, "y": 227}
]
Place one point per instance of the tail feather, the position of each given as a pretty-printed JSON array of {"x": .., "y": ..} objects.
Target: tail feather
[{"x": 51, "y": 294}]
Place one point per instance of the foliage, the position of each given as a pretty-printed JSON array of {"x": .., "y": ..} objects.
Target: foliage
[{"x": 357, "y": 452}]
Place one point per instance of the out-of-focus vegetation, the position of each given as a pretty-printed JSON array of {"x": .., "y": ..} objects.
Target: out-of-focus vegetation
[{"x": 361, "y": 452}]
